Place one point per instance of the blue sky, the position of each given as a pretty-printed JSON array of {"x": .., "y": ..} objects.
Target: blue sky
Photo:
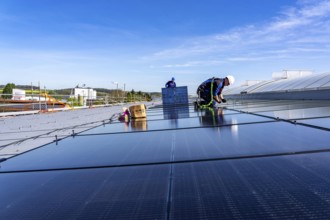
[{"x": 143, "y": 43}]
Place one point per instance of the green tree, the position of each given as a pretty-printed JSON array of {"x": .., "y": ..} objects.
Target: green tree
[
  {"x": 148, "y": 97},
  {"x": 128, "y": 96},
  {"x": 8, "y": 91},
  {"x": 73, "y": 101},
  {"x": 51, "y": 92}
]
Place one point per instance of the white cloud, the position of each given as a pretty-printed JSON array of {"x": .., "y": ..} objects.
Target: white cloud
[
  {"x": 318, "y": 10},
  {"x": 194, "y": 63},
  {"x": 305, "y": 26}
]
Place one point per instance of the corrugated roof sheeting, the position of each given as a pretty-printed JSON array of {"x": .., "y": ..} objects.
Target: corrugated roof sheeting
[
  {"x": 314, "y": 86},
  {"x": 301, "y": 83}
]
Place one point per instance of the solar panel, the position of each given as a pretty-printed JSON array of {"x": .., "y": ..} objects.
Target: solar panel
[{"x": 241, "y": 161}]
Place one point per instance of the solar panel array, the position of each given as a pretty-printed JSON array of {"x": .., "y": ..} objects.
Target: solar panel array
[{"x": 245, "y": 160}]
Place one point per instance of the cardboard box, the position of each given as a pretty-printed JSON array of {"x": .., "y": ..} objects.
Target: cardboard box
[{"x": 138, "y": 111}]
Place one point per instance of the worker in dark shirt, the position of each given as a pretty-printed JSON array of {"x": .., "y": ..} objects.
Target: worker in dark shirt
[
  {"x": 171, "y": 83},
  {"x": 211, "y": 90}
]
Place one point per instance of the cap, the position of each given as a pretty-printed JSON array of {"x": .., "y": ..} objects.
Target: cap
[{"x": 231, "y": 79}]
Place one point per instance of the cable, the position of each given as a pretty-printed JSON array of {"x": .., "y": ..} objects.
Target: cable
[
  {"x": 173, "y": 162},
  {"x": 64, "y": 128},
  {"x": 185, "y": 128},
  {"x": 59, "y": 129},
  {"x": 211, "y": 93},
  {"x": 291, "y": 121}
]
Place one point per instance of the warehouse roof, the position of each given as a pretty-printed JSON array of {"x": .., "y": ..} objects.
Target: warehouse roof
[
  {"x": 250, "y": 159},
  {"x": 303, "y": 83}
]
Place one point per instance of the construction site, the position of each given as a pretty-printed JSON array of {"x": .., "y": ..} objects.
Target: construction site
[{"x": 262, "y": 154}]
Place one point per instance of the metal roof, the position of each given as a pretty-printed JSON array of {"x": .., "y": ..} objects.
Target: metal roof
[
  {"x": 314, "y": 82},
  {"x": 250, "y": 159}
]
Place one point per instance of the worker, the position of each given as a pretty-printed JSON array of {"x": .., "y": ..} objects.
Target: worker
[
  {"x": 171, "y": 83},
  {"x": 211, "y": 90}
]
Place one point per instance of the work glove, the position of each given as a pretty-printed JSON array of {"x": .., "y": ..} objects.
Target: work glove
[{"x": 223, "y": 100}]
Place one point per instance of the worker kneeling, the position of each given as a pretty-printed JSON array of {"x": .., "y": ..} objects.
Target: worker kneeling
[{"x": 211, "y": 90}]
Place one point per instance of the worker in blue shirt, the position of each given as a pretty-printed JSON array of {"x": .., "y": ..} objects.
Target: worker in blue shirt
[
  {"x": 211, "y": 90},
  {"x": 171, "y": 83}
]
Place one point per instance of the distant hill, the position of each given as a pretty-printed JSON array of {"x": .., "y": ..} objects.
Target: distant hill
[{"x": 25, "y": 87}]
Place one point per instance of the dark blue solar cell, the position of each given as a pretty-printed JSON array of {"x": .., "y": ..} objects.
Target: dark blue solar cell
[
  {"x": 125, "y": 193},
  {"x": 299, "y": 113},
  {"x": 321, "y": 122},
  {"x": 276, "y": 105},
  {"x": 287, "y": 187},
  {"x": 272, "y": 188},
  {"x": 204, "y": 119},
  {"x": 224, "y": 168},
  {"x": 164, "y": 146}
]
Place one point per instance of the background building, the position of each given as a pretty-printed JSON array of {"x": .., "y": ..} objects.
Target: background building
[
  {"x": 18, "y": 94},
  {"x": 285, "y": 85},
  {"x": 87, "y": 93}
]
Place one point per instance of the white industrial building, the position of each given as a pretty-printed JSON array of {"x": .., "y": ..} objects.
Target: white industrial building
[
  {"x": 18, "y": 94},
  {"x": 87, "y": 93},
  {"x": 84, "y": 94}
]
